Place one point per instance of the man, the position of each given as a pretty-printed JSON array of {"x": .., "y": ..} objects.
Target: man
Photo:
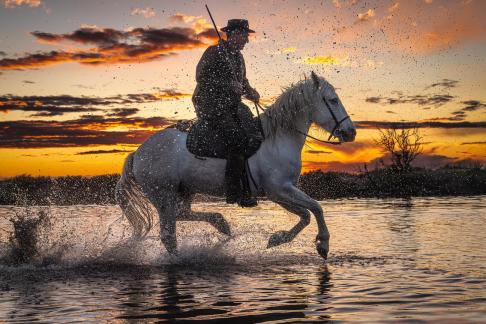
[{"x": 221, "y": 83}]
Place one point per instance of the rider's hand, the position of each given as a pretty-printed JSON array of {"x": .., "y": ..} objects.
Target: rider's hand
[{"x": 253, "y": 95}]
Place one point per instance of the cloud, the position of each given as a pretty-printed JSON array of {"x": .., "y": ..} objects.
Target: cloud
[
  {"x": 323, "y": 60},
  {"x": 346, "y": 3},
  {"x": 123, "y": 112},
  {"x": 146, "y": 12},
  {"x": 95, "y": 152},
  {"x": 86, "y": 131},
  {"x": 48, "y": 106},
  {"x": 444, "y": 83},
  {"x": 424, "y": 160},
  {"x": 112, "y": 46},
  {"x": 2, "y": 53},
  {"x": 17, "y": 3},
  {"x": 364, "y": 16},
  {"x": 198, "y": 23},
  {"x": 394, "y": 7},
  {"x": 42, "y": 108},
  {"x": 440, "y": 27},
  {"x": 415, "y": 28},
  {"x": 288, "y": 50},
  {"x": 336, "y": 4},
  {"x": 473, "y": 143},
  {"x": 425, "y": 124},
  {"x": 436, "y": 100},
  {"x": 473, "y": 105},
  {"x": 28, "y": 82}
]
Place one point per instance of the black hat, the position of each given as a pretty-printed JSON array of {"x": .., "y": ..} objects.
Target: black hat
[{"x": 240, "y": 24}]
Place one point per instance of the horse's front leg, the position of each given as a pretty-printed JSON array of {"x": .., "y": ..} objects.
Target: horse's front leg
[
  {"x": 282, "y": 237},
  {"x": 291, "y": 195}
]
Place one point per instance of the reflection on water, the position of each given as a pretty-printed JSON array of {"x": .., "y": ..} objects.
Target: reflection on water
[{"x": 417, "y": 259}]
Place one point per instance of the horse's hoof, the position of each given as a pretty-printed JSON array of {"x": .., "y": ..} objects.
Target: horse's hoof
[
  {"x": 224, "y": 228},
  {"x": 322, "y": 247},
  {"x": 278, "y": 238},
  {"x": 322, "y": 252}
]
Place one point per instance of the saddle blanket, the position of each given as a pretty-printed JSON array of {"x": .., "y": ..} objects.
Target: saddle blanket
[{"x": 205, "y": 141}]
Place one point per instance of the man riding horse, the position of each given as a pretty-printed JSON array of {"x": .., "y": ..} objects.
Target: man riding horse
[{"x": 221, "y": 83}]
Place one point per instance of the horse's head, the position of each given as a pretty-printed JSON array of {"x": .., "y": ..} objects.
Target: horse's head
[{"x": 328, "y": 111}]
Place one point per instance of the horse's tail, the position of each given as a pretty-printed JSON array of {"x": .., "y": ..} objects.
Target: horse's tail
[{"x": 135, "y": 206}]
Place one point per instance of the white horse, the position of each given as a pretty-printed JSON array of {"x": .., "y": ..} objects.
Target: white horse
[{"x": 165, "y": 172}]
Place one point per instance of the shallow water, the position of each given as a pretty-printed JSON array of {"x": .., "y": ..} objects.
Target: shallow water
[{"x": 392, "y": 260}]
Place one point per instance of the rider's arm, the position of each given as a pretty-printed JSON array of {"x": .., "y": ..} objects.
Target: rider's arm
[{"x": 248, "y": 91}]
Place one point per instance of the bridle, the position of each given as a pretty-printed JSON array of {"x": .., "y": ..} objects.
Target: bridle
[
  {"x": 331, "y": 135},
  {"x": 338, "y": 122}
]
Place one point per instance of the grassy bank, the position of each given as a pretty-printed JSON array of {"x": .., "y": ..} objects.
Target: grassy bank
[{"x": 72, "y": 190}]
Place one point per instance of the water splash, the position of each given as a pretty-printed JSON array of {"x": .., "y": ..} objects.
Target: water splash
[{"x": 23, "y": 243}]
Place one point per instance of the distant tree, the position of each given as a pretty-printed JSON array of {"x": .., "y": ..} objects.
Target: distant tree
[{"x": 403, "y": 145}]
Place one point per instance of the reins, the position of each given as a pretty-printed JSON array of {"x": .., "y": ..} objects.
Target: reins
[{"x": 257, "y": 105}]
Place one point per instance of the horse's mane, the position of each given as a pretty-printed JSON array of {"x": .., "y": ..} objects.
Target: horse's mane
[{"x": 292, "y": 102}]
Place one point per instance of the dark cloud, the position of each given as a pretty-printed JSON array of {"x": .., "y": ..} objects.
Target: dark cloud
[
  {"x": 444, "y": 83},
  {"x": 421, "y": 100},
  {"x": 103, "y": 152},
  {"x": 48, "y": 106},
  {"x": 113, "y": 46},
  {"x": 44, "y": 106},
  {"x": 28, "y": 82},
  {"x": 473, "y": 105},
  {"x": 426, "y": 124},
  {"x": 473, "y": 143},
  {"x": 2, "y": 53},
  {"x": 103, "y": 37},
  {"x": 425, "y": 160},
  {"x": 123, "y": 112},
  {"x": 89, "y": 130},
  {"x": 49, "y": 111}
]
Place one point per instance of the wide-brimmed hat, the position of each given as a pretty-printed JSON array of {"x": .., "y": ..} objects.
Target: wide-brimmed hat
[{"x": 237, "y": 24}]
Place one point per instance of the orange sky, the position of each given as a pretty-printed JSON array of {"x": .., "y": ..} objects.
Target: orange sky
[{"x": 83, "y": 83}]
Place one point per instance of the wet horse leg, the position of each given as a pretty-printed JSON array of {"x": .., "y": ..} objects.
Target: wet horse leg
[
  {"x": 292, "y": 196},
  {"x": 215, "y": 219},
  {"x": 282, "y": 237},
  {"x": 167, "y": 209}
]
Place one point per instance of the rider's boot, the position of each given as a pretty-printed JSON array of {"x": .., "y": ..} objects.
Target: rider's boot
[
  {"x": 234, "y": 167},
  {"x": 247, "y": 200}
]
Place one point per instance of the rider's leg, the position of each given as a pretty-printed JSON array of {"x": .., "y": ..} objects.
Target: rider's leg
[{"x": 234, "y": 167}]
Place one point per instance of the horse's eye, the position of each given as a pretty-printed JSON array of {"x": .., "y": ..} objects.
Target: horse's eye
[{"x": 334, "y": 101}]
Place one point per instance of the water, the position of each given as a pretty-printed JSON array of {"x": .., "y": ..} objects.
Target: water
[{"x": 393, "y": 260}]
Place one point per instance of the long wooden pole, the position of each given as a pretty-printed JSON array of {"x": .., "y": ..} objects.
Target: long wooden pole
[{"x": 214, "y": 24}]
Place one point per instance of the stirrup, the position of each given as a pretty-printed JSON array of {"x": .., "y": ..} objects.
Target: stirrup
[{"x": 248, "y": 201}]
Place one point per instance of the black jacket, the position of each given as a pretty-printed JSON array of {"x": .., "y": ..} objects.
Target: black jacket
[{"x": 215, "y": 95}]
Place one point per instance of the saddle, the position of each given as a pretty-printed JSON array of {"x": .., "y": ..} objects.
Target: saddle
[{"x": 205, "y": 141}]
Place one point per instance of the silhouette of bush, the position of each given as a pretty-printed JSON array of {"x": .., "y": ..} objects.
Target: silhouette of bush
[
  {"x": 70, "y": 190},
  {"x": 385, "y": 182}
]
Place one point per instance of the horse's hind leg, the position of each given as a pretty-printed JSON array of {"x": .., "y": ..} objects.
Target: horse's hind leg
[
  {"x": 282, "y": 237},
  {"x": 167, "y": 209},
  {"x": 215, "y": 219}
]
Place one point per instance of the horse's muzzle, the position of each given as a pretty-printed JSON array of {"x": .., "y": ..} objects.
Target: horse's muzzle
[{"x": 347, "y": 135}]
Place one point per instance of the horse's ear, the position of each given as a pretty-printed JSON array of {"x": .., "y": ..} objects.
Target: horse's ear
[{"x": 315, "y": 78}]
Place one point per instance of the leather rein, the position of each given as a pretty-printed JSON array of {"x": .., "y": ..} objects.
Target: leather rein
[{"x": 338, "y": 123}]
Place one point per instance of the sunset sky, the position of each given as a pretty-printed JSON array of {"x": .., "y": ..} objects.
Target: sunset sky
[{"x": 82, "y": 83}]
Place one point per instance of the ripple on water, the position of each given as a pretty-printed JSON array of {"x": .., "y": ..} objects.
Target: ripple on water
[{"x": 414, "y": 260}]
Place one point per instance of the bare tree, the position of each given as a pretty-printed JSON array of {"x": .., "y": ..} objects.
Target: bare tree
[{"x": 403, "y": 145}]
